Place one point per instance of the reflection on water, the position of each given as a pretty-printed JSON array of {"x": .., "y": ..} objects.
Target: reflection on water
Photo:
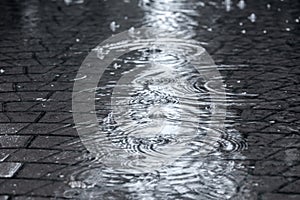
[
  {"x": 171, "y": 17},
  {"x": 162, "y": 115}
]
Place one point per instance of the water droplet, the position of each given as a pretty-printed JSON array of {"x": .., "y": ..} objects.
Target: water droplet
[
  {"x": 241, "y": 23},
  {"x": 70, "y": 2},
  {"x": 2, "y": 71},
  {"x": 252, "y": 17},
  {"x": 265, "y": 31},
  {"x": 209, "y": 29},
  {"x": 132, "y": 32},
  {"x": 241, "y": 4},
  {"x": 272, "y": 122},
  {"x": 238, "y": 81},
  {"x": 101, "y": 52},
  {"x": 228, "y": 4},
  {"x": 80, "y": 78},
  {"x": 297, "y": 20},
  {"x": 41, "y": 99},
  {"x": 243, "y": 31},
  {"x": 77, "y": 184},
  {"x": 116, "y": 66},
  {"x": 77, "y": 40},
  {"x": 268, "y": 6},
  {"x": 113, "y": 26},
  {"x": 288, "y": 29}
]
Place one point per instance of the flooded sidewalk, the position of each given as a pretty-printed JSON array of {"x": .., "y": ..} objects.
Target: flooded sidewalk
[{"x": 149, "y": 100}]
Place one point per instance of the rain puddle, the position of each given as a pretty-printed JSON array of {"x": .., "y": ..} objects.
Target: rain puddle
[{"x": 155, "y": 122}]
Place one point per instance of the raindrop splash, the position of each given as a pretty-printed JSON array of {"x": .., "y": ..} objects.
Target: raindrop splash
[{"x": 252, "y": 17}]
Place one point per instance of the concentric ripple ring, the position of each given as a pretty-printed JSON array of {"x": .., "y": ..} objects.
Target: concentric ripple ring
[{"x": 91, "y": 71}]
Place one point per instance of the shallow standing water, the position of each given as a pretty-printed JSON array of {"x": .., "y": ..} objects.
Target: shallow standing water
[{"x": 173, "y": 120}]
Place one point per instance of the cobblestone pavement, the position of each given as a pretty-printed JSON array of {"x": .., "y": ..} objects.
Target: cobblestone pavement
[{"x": 43, "y": 43}]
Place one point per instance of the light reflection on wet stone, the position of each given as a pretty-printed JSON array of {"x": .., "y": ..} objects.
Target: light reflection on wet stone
[{"x": 163, "y": 132}]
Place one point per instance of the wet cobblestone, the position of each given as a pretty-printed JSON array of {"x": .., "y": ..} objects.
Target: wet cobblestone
[{"x": 42, "y": 44}]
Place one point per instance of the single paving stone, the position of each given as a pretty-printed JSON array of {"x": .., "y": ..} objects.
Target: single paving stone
[
  {"x": 51, "y": 190},
  {"x": 45, "y": 128},
  {"x": 8, "y": 169},
  {"x": 21, "y": 187},
  {"x": 9, "y": 96},
  {"x": 39, "y": 170},
  {"x": 17, "y": 78},
  {"x": 28, "y": 86},
  {"x": 61, "y": 96},
  {"x": 51, "y": 106},
  {"x": 13, "y": 70},
  {"x": 58, "y": 117},
  {"x": 64, "y": 130},
  {"x": 18, "y": 106},
  {"x": 3, "y": 118},
  {"x": 11, "y": 128},
  {"x": 13, "y": 141},
  {"x": 54, "y": 142},
  {"x": 35, "y": 70},
  {"x": 31, "y": 155},
  {"x": 58, "y": 86},
  {"x": 22, "y": 116},
  {"x": 33, "y": 96},
  {"x": 6, "y": 87}
]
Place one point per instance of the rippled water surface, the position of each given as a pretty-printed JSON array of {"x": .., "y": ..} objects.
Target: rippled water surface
[{"x": 163, "y": 129}]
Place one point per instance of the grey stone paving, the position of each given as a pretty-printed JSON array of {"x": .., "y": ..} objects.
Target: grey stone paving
[{"x": 42, "y": 44}]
